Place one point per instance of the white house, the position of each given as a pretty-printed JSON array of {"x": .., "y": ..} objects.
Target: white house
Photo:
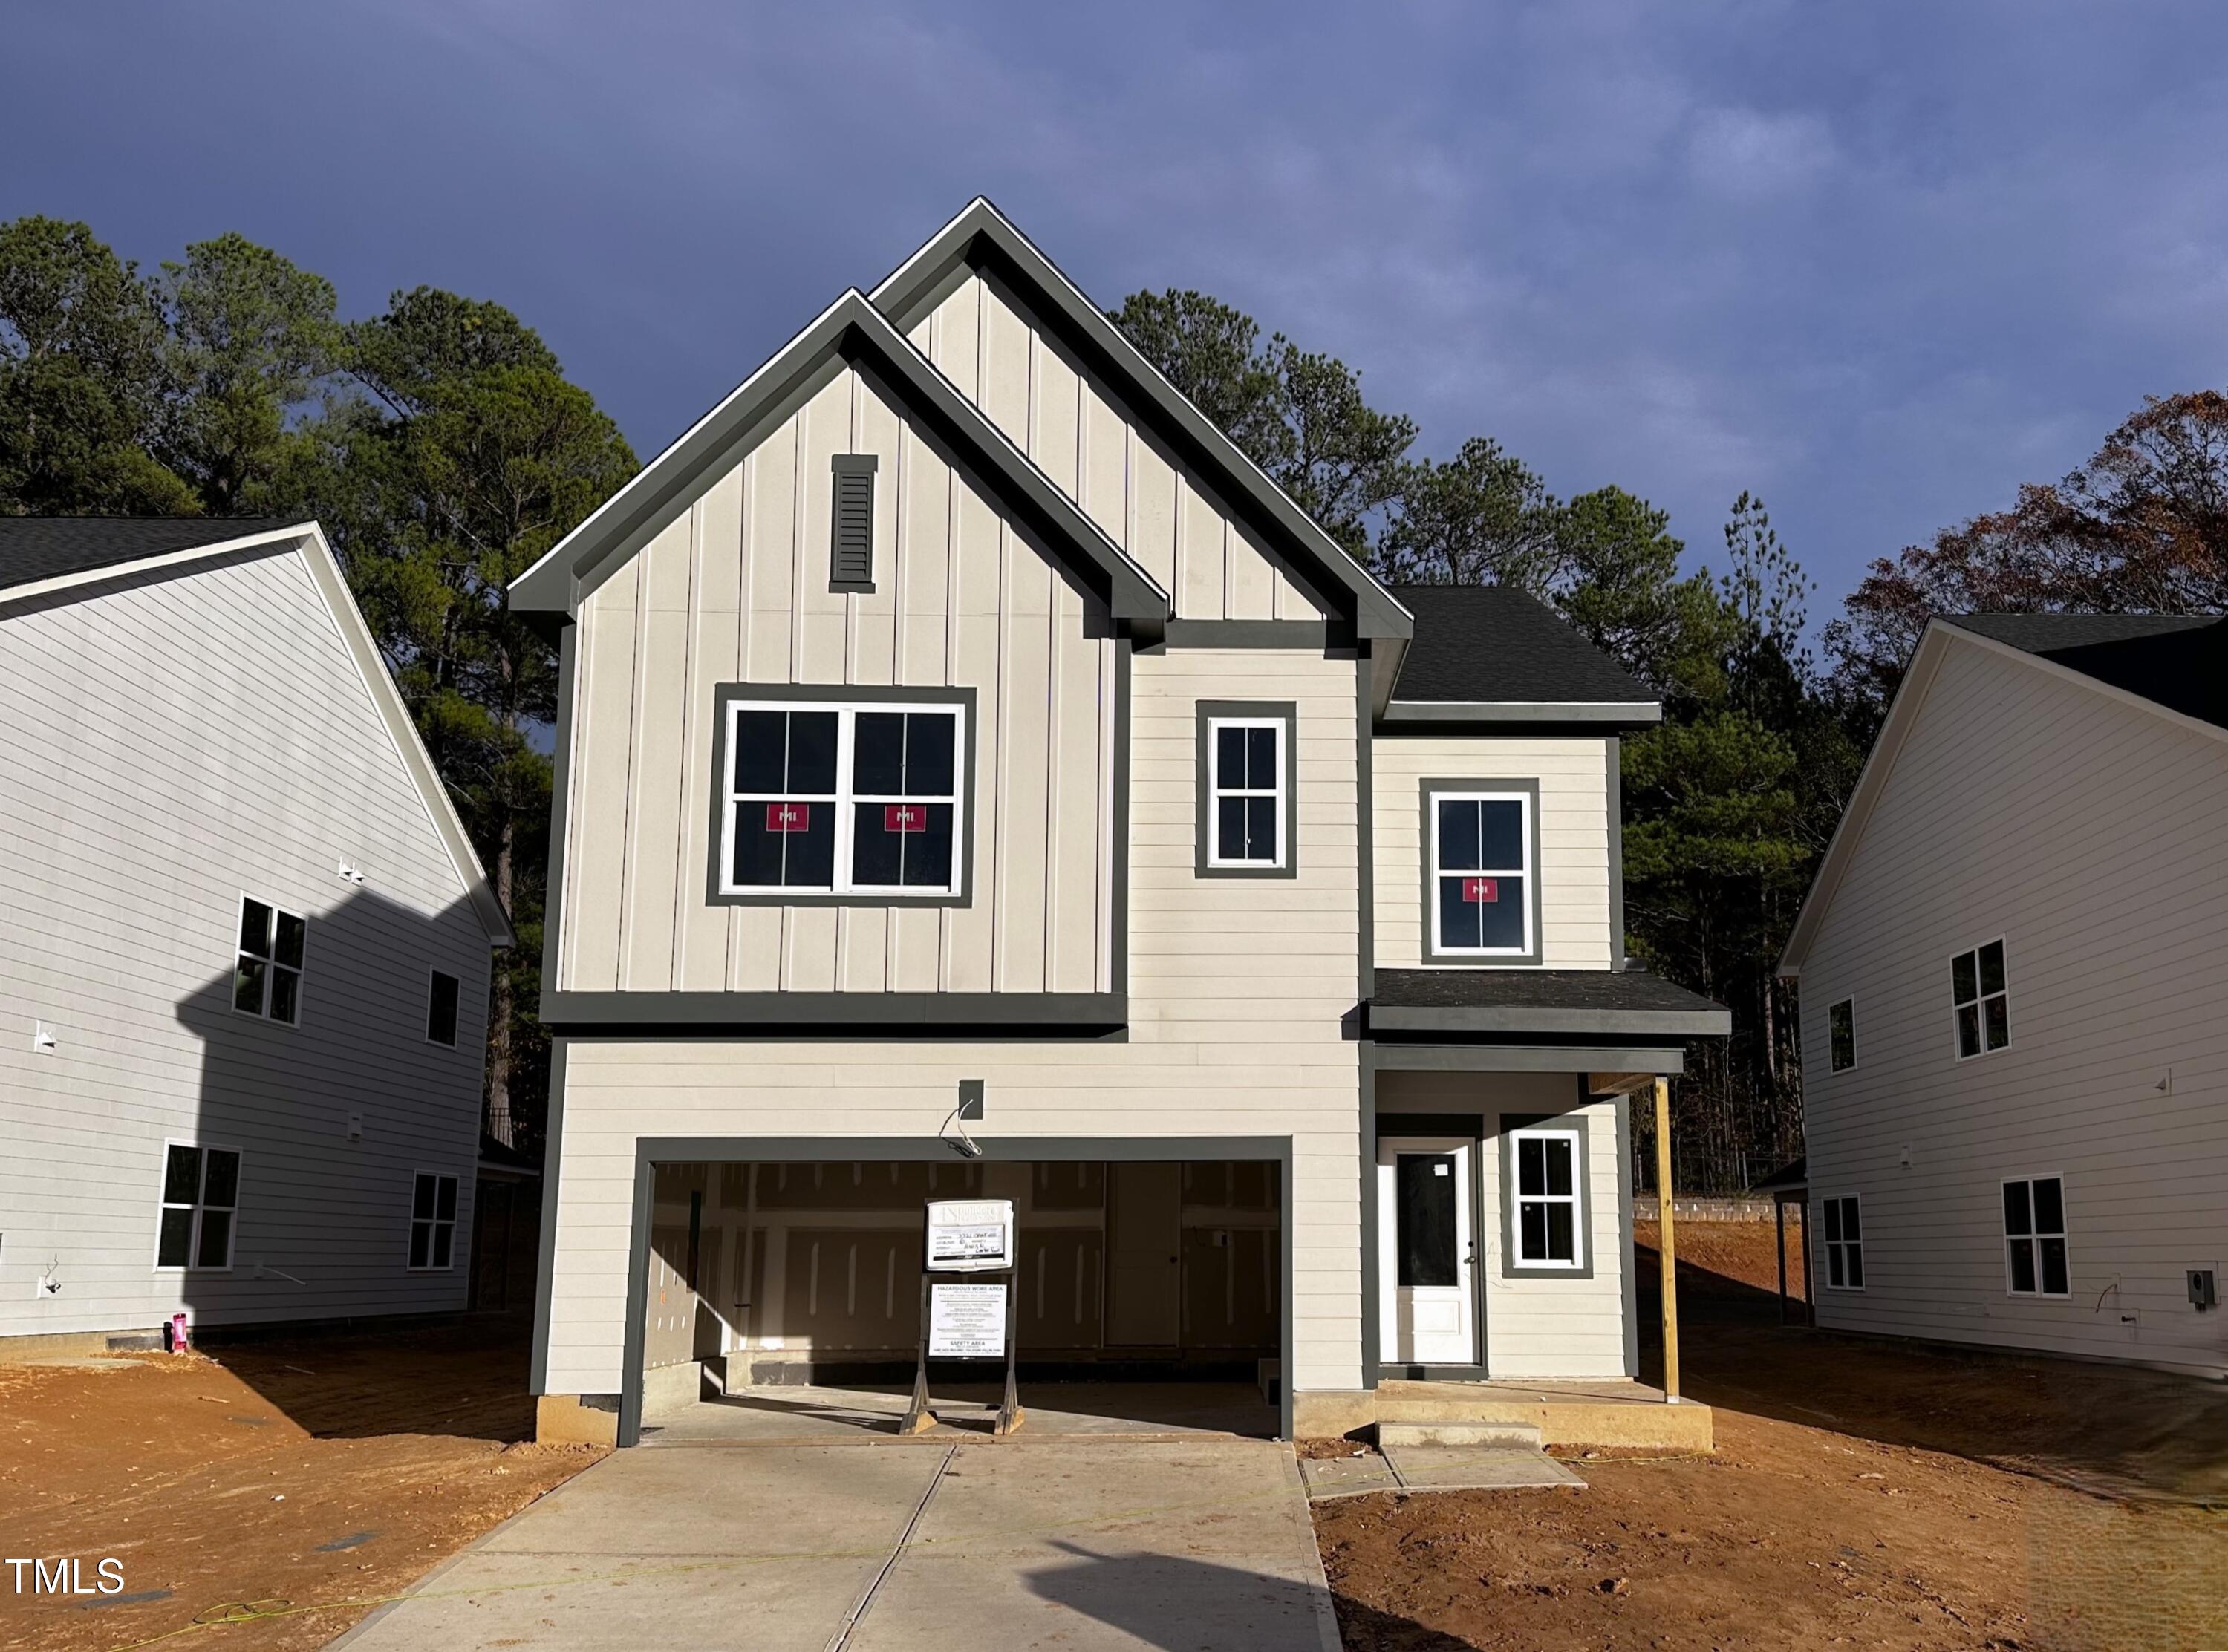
[
  {"x": 244, "y": 943},
  {"x": 959, "y": 732},
  {"x": 2015, "y": 1055}
]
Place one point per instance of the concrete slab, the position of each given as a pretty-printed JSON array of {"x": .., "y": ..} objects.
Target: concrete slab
[
  {"x": 1476, "y": 1467},
  {"x": 1088, "y": 1545},
  {"x": 793, "y": 1413},
  {"x": 1347, "y": 1477}
]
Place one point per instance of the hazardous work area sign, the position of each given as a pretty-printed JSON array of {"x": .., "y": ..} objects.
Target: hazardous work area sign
[{"x": 967, "y": 1322}]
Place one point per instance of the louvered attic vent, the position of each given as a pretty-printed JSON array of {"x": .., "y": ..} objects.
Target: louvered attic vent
[{"x": 851, "y": 562}]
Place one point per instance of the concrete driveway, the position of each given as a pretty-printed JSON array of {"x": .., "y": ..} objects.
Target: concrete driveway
[{"x": 932, "y": 1546}]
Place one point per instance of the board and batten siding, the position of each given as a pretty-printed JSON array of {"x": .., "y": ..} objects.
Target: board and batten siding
[
  {"x": 171, "y": 744},
  {"x": 1235, "y": 991},
  {"x": 2092, "y": 836},
  {"x": 1538, "y": 1327},
  {"x": 1574, "y": 873},
  {"x": 1211, "y": 567},
  {"x": 736, "y": 590}
]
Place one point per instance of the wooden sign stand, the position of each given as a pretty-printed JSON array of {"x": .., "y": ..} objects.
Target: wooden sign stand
[{"x": 919, "y": 1418}]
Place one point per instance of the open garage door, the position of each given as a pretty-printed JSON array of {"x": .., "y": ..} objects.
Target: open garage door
[{"x": 806, "y": 1275}]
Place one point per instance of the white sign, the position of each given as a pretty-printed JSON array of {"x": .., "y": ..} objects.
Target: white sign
[
  {"x": 967, "y": 1322},
  {"x": 970, "y": 1235}
]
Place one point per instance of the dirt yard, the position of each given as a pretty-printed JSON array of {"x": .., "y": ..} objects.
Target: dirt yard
[
  {"x": 1862, "y": 1494},
  {"x": 295, "y": 1482}
]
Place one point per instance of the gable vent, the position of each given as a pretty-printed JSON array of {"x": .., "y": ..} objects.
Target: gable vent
[{"x": 851, "y": 564}]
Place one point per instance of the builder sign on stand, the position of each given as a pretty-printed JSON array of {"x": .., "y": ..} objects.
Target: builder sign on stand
[{"x": 967, "y": 1316}]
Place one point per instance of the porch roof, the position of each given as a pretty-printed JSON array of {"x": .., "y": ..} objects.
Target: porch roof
[{"x": 1530, "y": 1003}]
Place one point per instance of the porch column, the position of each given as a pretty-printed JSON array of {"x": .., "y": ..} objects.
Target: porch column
[{"x": 1667, "y": 1247}]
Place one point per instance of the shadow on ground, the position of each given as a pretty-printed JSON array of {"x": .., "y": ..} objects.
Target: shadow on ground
[
  {"x": 2111, "y": 1428},
  {"x": 464, "y": 1376}
]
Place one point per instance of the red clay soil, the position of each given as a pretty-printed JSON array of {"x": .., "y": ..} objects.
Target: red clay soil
[
  {"x": 312, "y": 1476},
  {"x": 1863, "y": 1493}
]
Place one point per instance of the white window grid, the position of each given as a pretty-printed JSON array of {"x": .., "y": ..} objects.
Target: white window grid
[
  {"x": 2034, "y": 1236},
  {"x": 435, "y": 1226},
  {"x": 1843, "y": 1228},
  {"x": 1575, "y": 1198},
  {"x": 1216, "y": 791},
  {"x": 842, "y": 798},
  {"x": 199, "y": 1206},
  {"x": 268, "y": 994},
  {"x": 1521, "y": 871},
  {"x": 1980, "y": 1001}
]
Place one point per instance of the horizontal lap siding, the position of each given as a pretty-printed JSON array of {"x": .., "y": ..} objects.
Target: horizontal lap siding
[
  {"x": 1211, "y": 566},
  {"x": 1574, "y": 890},
  {"x": 2089, "y": 834},
  {"x": 1237, "y": 989},
  {"x": 169, "y": 746},
  {"x": 735, "y": 589}
]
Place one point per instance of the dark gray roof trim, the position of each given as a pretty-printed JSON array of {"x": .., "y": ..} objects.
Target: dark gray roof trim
[
  {"x": 1487, "y": 654},
  {"x": 710, "y": 1011},
  {"x": 34, "y": 548},
  {"x": 1529, "y": 1002},
  {"x": 982, "y": 239},
  {"x": 850, "y": 332}
]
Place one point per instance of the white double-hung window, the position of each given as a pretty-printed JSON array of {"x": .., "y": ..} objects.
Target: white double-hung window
[
  {"x": 835, "y": 799},
  {"x": 1246, "y": 789},
  {"x": 267, "y": 975},
  {"x": 1549, "y": 1228},
  {"x": 1480, "y": 884}
]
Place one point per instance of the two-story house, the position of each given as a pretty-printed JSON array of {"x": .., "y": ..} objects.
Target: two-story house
[
  {"x": 2014, "y": 1056},
  {"x": 244, "y": 944},
  {"x": 966, "y": 749}
]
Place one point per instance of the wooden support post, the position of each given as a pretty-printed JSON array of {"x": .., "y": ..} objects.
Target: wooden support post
[{"x": 1666, "y": 1246}]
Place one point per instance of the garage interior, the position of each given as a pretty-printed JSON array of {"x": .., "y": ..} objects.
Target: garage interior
[{"x": 1151, "y": 1292}]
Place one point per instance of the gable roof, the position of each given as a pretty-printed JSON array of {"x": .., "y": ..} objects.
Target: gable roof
[
  {"x": 849, "y": 332},
  {"x": 982, "y": 238},
  {"x": 34, "y": 548},
  {"x": 88, "y": 551},
  {"x": 2176, "y": 660},
  {"x": 1493, "y": 652},
  {"x": 2169, "y": 665}
]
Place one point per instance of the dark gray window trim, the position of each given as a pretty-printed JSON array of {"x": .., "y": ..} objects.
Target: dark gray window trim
[
  {"x": 1533, "y": 891},
  {"x": 1578, "y": 1122},
  {"x": 1613, "y": 783},
  {"x": 1284, "y": 711},
  {"x": 727, "y": 694},
  {"x": 1616, "y": 714},
  {"x": 650, "y": 1152},
  {"x": 1629, "y": 1279},
  {"x": 704, "y": 1010},
  {"x": 840, "y": 466}
]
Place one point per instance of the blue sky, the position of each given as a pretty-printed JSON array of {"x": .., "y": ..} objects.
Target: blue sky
[{"x": 1879, "y": 263}]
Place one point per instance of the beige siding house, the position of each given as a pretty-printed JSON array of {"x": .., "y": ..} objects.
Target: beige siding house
[
  {"x": 976, "y": 777},
  {"x": 2015, "y": 1062},
  {"x": 232, "y": 890}
]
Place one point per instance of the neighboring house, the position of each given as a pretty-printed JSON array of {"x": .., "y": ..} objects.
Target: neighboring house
[
  {"x": 2015, "y": 1057},
  {"x": 958, "y": 733},
  {"x": 243, "y": 943}
]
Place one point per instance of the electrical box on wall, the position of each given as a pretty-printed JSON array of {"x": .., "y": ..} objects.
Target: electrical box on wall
[{"x": 2203, "y": 1291}]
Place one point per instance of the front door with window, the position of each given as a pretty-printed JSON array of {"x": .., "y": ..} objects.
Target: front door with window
[{"x": 1426, "y": 1254}]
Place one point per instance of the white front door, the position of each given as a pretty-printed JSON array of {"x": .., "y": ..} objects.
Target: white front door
[{"x": 1425, "y": 1255}]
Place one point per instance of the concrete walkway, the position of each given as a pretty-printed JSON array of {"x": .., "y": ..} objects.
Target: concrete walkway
[{"x": 931, "y": 1546}]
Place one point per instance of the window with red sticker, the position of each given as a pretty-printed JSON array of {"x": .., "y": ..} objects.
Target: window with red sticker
[{"x": 1482, "y": 877}]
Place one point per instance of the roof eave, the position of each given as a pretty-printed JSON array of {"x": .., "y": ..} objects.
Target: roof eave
[
  {"x": 1510, "y": 1021},
  {"x": 1609, "y": 714}
]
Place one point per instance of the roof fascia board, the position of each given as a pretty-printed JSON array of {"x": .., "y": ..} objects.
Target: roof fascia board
[
  {"x": 1609, "y": 1023},
  {"x": 850, "y": 333},
  {"x": 276, "y": 539},
  {"x": 928, "y": 277},
  {"x": 402, "y": 729},
  {"x": 1622, "y": 714}
]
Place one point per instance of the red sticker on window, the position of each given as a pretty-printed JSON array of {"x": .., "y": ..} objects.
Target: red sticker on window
[
  {"x": 904, "y": 817},
  {"x": 789, "y": 817},
  {"x": 1482, "y": 891}
]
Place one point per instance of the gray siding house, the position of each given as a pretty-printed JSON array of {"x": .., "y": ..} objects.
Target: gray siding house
[
  {"x": 959, "y": 734},
  {"x": 2015, "y": 1059},
  {"x": 244, "y": 943}
]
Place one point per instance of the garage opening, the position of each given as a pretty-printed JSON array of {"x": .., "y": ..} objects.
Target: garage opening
[{"x": 783, "y": 1299}]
